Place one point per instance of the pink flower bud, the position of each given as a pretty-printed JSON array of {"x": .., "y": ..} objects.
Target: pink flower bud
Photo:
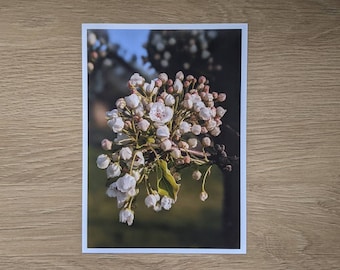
[
  {"x": 186, "y": 84},
  {"x": 221, "y": 97},
  {"x": 176, "y": 153},
  {"x": 106, "y": 144},
  {"x": 200, "y": 86},
  {"x": 190, "y": 78},
  {"x": 120, "y": 103},
  {"x": 192, "y": 142},
  {"x": 220, "y": 111},
  {"x": 206, "y": 142},
  {"x": 202, "y": 79},
  {"x": 204, "y": 130},
  {"x": 216, "y": 131},
  {"x": 218, "y": 121},
  {"x": 158, "y": 83},
  {"x": 196, "y": 175},
  {"x": 187, "y": 159},
  {"x": 203, "y": 196},
  {"x": 196, "y": 129},
  {"x": 183, "y": 145}
]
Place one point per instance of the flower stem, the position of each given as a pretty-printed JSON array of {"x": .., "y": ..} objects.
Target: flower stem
[{"x": 205, "y": 177}]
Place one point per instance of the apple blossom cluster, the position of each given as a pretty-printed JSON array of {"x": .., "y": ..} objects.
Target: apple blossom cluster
[{"x": 161, "y": 127}]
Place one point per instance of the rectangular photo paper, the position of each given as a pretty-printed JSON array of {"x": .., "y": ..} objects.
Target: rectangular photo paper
[{"x": 164, "y": 138}]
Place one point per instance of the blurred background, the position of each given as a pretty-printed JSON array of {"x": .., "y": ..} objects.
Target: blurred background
[{"x": 113, "y": 56}]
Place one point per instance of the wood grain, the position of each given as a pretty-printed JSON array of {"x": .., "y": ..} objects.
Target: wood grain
[{"x": 293, "y": 170}]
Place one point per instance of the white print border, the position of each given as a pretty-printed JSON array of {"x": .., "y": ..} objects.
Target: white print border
[{"x": 243, "y": 117}]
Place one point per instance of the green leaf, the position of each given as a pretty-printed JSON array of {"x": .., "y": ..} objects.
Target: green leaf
[{"x": 166, "y": 183}]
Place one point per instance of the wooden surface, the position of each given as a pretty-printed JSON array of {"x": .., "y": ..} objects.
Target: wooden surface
[{"x": 293, "y": 170}]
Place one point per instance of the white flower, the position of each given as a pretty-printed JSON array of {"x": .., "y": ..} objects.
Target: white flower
[
  {"x": 126, "y": 216},
  {"x": 151, "y": 200},
  {"x": 187, "y": 104},
  {"x": 178, "y": 86},
  {"x": 112, "y": 114},
  {"x": 180, "y": 75},
  {"x": 113, "y": 192},
  {"x": 163, "y": 77},
  {"x": 113, "y": 170},
  {"x": 126, "y": 182},
  {"x": 212, "y": 111},
  {"x": 160, "y": 113},
  {"x": 206, "y": 142},
  {"x": 176, "y": 153},
  {"x": 139, "y": 111},
  {"x": 210, "y": 124},
  {"x": 184, "y": 127},
  {"x": 143, "y": 125},
  {"x": 166, "y": 202},
  {"x": 196, "y": 175},
  {"x": 116, "y": 123},
  {"x": 216, "y": 131},
  {"x": 166, "y": 145},
  {"x": 192, "y": 142},
  {"x": 136, "y": 79},
  {"x": 198, "y": 106},
  {"x": 204, "y": 113},
  {"x": 195, "y": 97},
  {"x": 149, "y": 87},
  {"x": 183, "y": 144},
  {"x": 132, "y": 101},
  {"x": 196, "y": 129},
  {"x": 120, "y": 103},
  {"x": 103, "y": 161},
  {"x": 106, "y": 144},
  {"x": 125, "y": 153},
  {"x": 208, "y": 97},
  {"x": 169, "y": 100},
  {"x": 163, "y": 132},
  {"x": 203, "y": 196},
  {"x": 220, "y": 111}
]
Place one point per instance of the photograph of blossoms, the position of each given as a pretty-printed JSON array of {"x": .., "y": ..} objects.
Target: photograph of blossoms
[{"x": 163, "y": 123}]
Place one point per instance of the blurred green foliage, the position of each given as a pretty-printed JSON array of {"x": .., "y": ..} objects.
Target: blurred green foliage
[{"x": 190, "y": 223}]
